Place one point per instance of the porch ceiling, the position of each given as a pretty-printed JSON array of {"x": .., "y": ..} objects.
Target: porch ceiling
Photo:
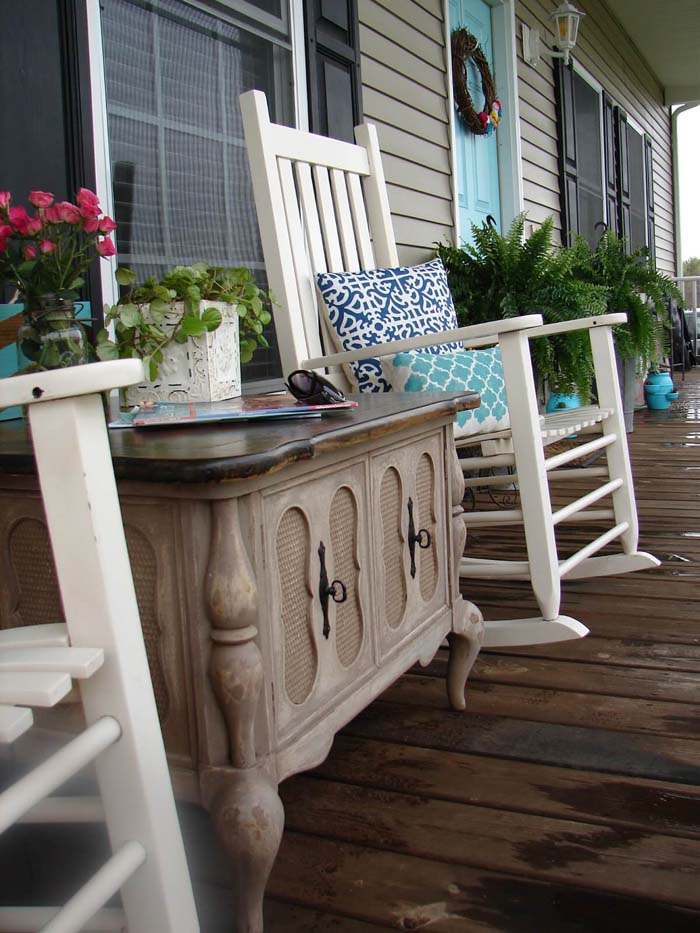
[{"x": 668, "y": 36}]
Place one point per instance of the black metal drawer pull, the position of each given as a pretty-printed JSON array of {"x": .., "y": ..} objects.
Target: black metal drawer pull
[
  {"x": 337, "y": 591},
  {"x": 420, "y": 537}
]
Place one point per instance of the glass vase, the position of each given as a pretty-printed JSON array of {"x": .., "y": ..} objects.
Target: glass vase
[{"x": 51, "y": 337}]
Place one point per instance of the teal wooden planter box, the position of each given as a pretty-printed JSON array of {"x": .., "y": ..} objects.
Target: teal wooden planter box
[{"x": 10, "y": 319}]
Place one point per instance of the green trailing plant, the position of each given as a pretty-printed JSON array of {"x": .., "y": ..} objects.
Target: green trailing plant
[
  {"x": 504, "y": 276},
  {"x": 633, "y": 285},
  {"x": 146, "y": 318}
]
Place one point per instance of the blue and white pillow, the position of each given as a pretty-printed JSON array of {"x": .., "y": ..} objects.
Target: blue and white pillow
[
  {"x": 478, "y": 370},
  {"x": 379, "y": 305}
]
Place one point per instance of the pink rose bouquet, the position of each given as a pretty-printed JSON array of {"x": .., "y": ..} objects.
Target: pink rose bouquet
[{"x": 48, "y": 251}]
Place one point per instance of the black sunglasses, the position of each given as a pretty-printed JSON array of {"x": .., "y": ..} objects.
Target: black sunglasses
[{"x": 309, "y": 387}]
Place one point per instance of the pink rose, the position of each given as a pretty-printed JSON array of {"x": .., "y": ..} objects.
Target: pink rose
[
  {"x": 88, "y": 202},
  {"x": 5, "y": 231},
  {"x": 106, "y": 225},
  {"x": 5, "y": 198},
  {"x": 19, "y": 219},
  {"x": 33, "y": 226},
  {"x": 40, "y": 198},
  {"x": 51, "y": 215},
  {"x": 29, "y": 252},
  {"x": 47, "y": 246},
  {"x": 90, "y": 224},
  {"x": 68, "y": 212},
  {"x": 106, "y": 247}
]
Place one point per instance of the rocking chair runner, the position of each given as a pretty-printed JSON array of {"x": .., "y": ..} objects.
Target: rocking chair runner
[{"x": 323, "y": 207}]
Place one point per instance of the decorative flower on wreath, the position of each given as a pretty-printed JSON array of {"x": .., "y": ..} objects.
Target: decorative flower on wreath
[{"x": 464, "y": 47}]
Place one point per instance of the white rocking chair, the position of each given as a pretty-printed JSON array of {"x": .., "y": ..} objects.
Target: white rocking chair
[
  {"x": 322, "y": 206},
  {"x": 101, "y": 647}
]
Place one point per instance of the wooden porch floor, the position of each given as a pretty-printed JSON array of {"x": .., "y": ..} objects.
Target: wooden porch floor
[{"x": 566, "y": 797}]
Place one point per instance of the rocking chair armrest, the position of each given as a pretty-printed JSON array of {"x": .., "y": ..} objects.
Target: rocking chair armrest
[
  {"x": 474, "y": 335},
  {"x": 89, "y": 379},
  {"x": 583, "y": 323}
]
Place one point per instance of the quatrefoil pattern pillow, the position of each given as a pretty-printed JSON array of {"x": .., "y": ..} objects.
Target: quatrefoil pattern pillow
[
  {"x": 479, "y": 370},
  {"x": 379, "y": 305}
]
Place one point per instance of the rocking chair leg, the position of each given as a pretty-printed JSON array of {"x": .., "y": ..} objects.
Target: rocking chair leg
[{"x": 464, "y": 648}]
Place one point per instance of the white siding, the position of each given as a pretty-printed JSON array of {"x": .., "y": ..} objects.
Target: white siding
[
  {"x": 404, "y": 92},
  {"x": 607, "y": 53}
]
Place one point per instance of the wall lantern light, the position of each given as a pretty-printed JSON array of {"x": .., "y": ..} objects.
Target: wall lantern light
[{"x": 566, "y": 19}]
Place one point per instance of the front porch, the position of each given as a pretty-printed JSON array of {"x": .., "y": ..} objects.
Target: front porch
[
  {"x": 565, "y": 798},
  {"x": 568, "y": 795}
]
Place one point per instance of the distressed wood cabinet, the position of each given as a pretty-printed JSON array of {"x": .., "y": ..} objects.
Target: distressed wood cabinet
[{"x": 285, "y": 575}]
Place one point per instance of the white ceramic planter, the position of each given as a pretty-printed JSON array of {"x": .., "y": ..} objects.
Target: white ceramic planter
[{"x": 204, "y": 369}]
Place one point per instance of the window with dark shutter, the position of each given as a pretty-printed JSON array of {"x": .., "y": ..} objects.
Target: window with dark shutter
[
  {"x": 605, "y": 164},
  {"x": 580, "y": 134}
]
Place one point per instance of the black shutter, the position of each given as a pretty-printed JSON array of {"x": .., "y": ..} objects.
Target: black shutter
[
  {"x": 568, "y": 162},
  {"x": 651, "y": 211},
  {"x": 623, "y": 177},
  {"x": 333, "y": 56},
  {"x": 611, "y": 188},
  {"x": 80, "y": 151},
  {"x": 45, "y": 105},
  {"x": 32, "y": 123}
]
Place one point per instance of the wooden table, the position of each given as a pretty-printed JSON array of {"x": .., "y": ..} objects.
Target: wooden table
[{"x": 286, "y": 574}]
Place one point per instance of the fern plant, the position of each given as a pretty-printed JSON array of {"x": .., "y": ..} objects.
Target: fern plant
[
  {"x": 634, "y": 286},
  {"x": 504, "y": 276}
]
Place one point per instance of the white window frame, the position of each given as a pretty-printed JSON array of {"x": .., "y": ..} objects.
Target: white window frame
[
  {"x": 103, "y": 174},
  {"x": 637, "y": 127}
]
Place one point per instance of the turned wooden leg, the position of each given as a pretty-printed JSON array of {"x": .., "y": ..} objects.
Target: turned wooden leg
[
  {"x": 246, "y": 810},
  {"x": 249, "y": 818}
]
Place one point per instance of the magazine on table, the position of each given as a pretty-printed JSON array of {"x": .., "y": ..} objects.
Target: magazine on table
[{"x": 244, "y": 408}]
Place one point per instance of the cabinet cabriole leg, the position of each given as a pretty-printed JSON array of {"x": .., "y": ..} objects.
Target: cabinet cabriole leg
[{"x": 468, "y": 623}]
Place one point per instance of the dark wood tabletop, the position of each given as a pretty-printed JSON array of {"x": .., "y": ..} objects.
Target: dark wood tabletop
[{"x": 215, "y": 453}]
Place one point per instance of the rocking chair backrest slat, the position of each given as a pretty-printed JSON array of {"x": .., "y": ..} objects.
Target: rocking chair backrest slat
[
  {"x": 312, "y": 220},
  {"x": 300, "y": 257},
  {"x": 329, "y": 223},
  {"x": 322, "y": 206},
  {"x": 359, "y": 217},
  {"x": 345, "y": 225}
]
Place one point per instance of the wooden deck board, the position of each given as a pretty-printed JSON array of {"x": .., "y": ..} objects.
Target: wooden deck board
[
  {"x": 567, "y": 796},
  {"x": 616, "y": 859}
]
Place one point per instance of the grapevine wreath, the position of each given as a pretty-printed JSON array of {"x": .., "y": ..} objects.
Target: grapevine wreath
[{"x": 465, "y": 46}]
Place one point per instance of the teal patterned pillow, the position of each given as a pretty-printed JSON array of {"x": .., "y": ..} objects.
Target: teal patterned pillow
[{"x": 479, "y": 370}]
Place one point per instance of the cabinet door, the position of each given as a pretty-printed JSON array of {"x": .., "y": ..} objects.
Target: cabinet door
[
  {"x": 411, "y": 535},
  {"x": 316, "y": 538}
]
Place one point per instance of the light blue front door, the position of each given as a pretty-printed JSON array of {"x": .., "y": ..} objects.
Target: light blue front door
[{"x": 477, "y": 156}]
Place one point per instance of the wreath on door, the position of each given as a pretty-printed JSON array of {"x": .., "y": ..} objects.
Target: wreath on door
[{"x": 465, "y": 46}]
